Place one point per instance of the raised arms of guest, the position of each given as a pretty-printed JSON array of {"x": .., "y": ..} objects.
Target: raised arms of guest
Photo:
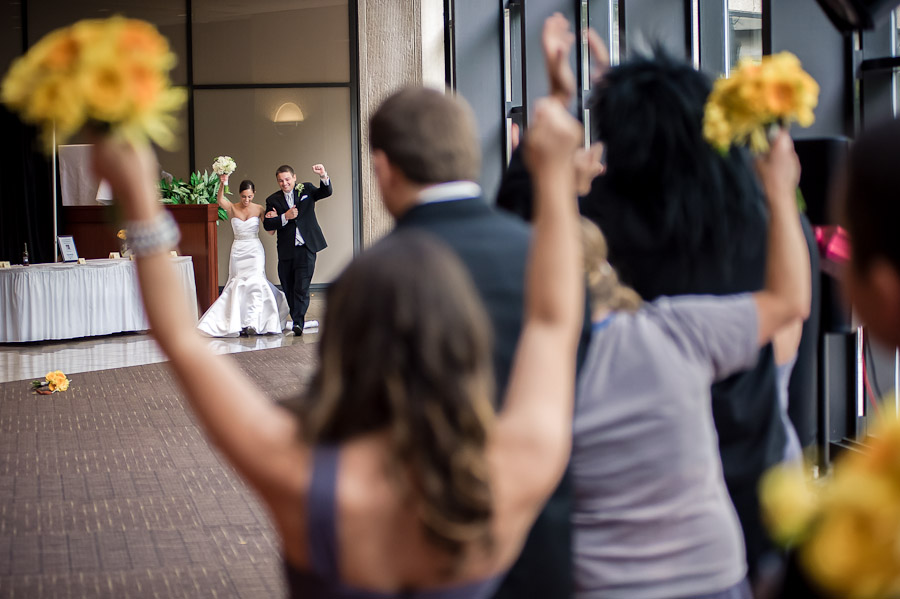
[{"x": 423, "y": 388}]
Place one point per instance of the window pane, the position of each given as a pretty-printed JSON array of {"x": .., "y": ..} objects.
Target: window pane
[
  {"x": 168, "y": 15},
  {"x": 745, "y": 30},
  {"x": 896, "y": 45},
  {"x": 271, "y": 42},
  {"x": 240, "y": 123},
  {"x": 615, "y": 28}
]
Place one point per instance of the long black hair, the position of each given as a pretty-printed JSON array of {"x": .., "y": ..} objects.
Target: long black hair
[{"x": 666, "y": 191}]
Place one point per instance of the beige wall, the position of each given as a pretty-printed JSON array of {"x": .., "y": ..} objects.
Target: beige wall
[
  {"x": 268, "y": 41},
  {"x": 256, "y": 43},
  {"x": 398, "y": 46}
]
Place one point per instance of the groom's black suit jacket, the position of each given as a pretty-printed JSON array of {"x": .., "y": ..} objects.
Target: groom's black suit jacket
[
  {"x": 493, "y": 247},
  {"x": 306, "y": 218}
]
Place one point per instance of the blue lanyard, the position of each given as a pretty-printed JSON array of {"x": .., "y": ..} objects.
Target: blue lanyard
[{"x": 602, "y": 324}]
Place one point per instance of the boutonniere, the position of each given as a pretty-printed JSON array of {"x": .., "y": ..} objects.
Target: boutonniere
[{"x": 299, "y": 188}]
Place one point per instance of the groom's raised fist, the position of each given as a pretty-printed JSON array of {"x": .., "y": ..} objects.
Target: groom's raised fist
[{"x": 319, "y": 169}]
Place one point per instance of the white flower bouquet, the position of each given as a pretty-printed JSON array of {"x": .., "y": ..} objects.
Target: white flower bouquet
[{"x": 224, "y": 165}]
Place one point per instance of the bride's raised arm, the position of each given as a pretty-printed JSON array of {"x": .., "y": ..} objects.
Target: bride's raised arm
[{"x": 220, "y": 196}]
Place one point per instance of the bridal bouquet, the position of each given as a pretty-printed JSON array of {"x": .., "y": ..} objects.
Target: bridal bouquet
[
  {"x": 224, "y": 165},
  {"x": 774, "y": 92},
  {"x": 112, "y": 74},
  {"x": 847, "y": 529},
  {"x": 54, "y": 381}
]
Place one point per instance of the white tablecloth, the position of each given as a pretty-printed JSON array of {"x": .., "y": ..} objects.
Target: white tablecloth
[{"x": 66, "y": 301}]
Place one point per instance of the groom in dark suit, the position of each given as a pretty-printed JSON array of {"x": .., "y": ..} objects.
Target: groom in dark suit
[{"x": 299, "y": 235}]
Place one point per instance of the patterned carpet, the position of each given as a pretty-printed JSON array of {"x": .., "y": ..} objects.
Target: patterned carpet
[{"x": 110, "y": 490}]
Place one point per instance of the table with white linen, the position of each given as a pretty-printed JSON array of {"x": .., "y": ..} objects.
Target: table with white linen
[{"x": 66, "y": 301}]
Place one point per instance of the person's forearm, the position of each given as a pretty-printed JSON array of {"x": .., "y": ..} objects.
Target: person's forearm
[
  {"x": 787, "y": 268},
  {"x": 165, "y": 305},
  {"x": 554, "y": 274}
]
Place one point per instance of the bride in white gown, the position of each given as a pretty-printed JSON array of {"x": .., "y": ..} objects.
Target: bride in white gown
[{"x": 249, "y": 303}]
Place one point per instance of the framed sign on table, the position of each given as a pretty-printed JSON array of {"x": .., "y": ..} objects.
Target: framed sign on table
[{"x": 67, "y": 248}]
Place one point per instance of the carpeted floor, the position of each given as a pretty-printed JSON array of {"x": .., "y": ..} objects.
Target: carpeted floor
[{"x": 110, "y": 490}]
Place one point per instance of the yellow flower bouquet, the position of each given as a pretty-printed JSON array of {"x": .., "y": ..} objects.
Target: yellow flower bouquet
[
  {"x": 123, "y": 237},
  {"x": 109, "y": 73},
  {"x": 742, "y": 107},
  {"x": 55, "y": 382},
  {"x": 846, "y": 529}
]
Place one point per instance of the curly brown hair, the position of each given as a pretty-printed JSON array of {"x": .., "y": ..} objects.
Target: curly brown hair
[
  {"x": 606, "y": 292},
  {"x": 405, "y": 347}
]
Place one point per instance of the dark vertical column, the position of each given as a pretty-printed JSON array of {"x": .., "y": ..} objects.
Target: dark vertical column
[
  {"x": 192, "y": 134},
  {"x": 877, "y": 87},
  {"x": 478, "y": 56},
  {"x": 801, "y": 27}
]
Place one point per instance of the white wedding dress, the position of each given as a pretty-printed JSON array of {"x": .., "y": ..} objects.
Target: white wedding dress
[{"x": 249, "y": 300}]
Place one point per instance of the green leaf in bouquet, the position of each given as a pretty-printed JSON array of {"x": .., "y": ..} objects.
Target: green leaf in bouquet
[{"x": 801, "y": 202}]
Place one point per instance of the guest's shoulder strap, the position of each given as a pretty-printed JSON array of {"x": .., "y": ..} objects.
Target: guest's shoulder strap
[{"x": 322, "y": 512}]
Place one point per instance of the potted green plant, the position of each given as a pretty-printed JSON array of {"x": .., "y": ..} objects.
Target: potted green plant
[{"x": 198, "y": 189}]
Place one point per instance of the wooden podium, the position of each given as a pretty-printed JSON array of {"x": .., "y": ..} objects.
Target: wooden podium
[{"x": 94, "y": 232}]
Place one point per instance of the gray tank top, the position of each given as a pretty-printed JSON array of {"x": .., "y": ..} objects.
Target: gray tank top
[{"x": 323, "y": 582}]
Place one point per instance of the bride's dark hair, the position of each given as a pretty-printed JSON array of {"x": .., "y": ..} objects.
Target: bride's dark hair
[
  {"x": 405, "y": 348},
  {"x": 247, "y": 184}
]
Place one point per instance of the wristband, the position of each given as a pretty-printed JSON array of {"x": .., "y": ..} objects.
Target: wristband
[{"x": 155, "y": 236}]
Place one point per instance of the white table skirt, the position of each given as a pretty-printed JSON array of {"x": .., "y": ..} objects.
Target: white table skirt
[{"x": 66, "y": 301}]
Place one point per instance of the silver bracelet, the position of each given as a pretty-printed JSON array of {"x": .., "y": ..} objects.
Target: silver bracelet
[{"x": 158, "y": 235}]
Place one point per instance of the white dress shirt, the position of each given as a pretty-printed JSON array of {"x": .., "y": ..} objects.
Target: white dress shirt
[
  {"x": 289, "y": 198},
  {"x": 452, "y": 190}
]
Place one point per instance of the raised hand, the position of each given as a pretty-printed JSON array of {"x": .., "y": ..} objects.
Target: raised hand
[
  {"x": 320, "y": 170},
  {"x": 587, "y": 167},
  {"x": 223, "y": 179},
  {"x": 779, "y": 169},
  {"x": 599, "y": 55},
  {"x": 552, "y": 140},
  {"x": 557, "y": 41}
]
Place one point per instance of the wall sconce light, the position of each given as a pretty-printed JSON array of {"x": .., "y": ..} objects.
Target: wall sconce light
[{"x": 288, "y": 113}]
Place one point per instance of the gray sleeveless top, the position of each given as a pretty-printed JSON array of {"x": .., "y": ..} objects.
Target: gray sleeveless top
[{"x": 323, "y": 582}]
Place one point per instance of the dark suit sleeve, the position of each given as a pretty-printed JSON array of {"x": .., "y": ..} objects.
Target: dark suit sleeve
[
  {"x": 515, "y": 193},
  {"x": 272, "y": 223},
  {"x": 321, "y": 192}
]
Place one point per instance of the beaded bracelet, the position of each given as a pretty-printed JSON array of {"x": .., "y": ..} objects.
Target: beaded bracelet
[{"x": 147, "y": 237}]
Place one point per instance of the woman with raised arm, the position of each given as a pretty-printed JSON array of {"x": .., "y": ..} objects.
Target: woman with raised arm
[
  {"x": 652, "y": 516},
  {"x": 409, "y": 483},
  {"x": 249, "y": 303}
]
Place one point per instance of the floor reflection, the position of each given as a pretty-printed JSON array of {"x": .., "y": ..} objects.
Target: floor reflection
[{"x": 20, "y": 361}]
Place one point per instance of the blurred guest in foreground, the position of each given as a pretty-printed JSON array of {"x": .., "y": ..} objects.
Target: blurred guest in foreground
[
  {"x": 868, "y": 198},
  {"x": 680, "y": 218},
  {"x": 652, "y": 516},
  {"x": 426, "y": 158},
  {"x": 395, "y": 477}
]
